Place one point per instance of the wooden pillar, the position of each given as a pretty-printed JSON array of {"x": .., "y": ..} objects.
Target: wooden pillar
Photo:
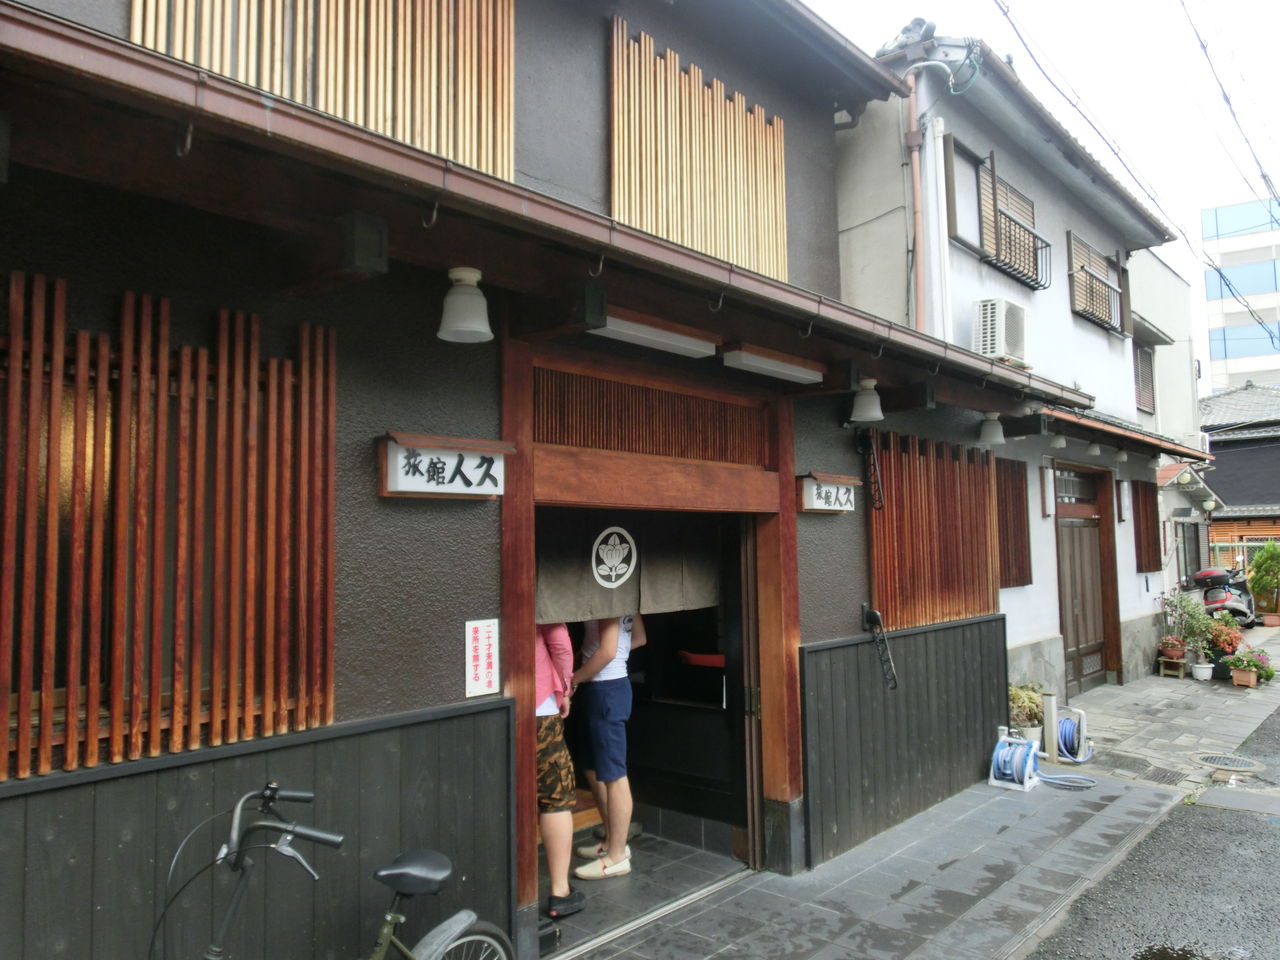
[
  {"x": 779, "y": 622},
  {"x": 519, "y": 581}
]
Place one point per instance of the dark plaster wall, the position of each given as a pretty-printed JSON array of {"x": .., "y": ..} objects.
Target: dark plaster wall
[
  {"x": 562, "y": 105},
  {"x": 108, "y": 16},
  {"x": 1244, "y": 471},
  {"x": 834, "y": 565},
  {"x": 409, "y": 572}
]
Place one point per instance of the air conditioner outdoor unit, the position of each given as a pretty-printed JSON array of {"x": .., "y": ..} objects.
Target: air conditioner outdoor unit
[{"x": 999, "y": 331}]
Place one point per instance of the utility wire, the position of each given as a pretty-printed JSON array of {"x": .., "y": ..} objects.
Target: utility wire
[
  {"x": 1226, "y": 98},
  {"x": 1201, "y": 255}
]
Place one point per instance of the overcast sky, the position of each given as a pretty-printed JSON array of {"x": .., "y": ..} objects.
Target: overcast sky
[{"x": 1136, "y": 69}]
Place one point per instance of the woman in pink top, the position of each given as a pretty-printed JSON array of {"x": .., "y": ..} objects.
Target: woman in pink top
[{"x": 556, "y": 790}]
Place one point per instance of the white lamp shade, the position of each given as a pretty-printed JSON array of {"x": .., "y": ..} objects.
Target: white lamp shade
[
  {"x": 1093, "y": 450},
  {"x": 465, "y": 317},
  {"x": 991, "y": 434},
  {"x": 1059, "y": 442},
  {"x": 866, "y": 403},
  {"x": 1121, "y": 456},
  {"x": 1209, "y": 505}
]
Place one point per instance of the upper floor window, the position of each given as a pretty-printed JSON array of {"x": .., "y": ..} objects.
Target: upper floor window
[
  {"x": 438, "y": 76},
  {"x": 1240, "y": 219},
  {"x": 1144, "y": 381},
  {"x": 1097, "y": 281},
  {"x": 1244, "y": 279},
  {"x": 1248, "y": 340},
  {"x": 993, "y": 218}
]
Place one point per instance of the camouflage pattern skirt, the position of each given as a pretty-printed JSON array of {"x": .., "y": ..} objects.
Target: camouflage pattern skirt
[{"x": 555, "y": 767}]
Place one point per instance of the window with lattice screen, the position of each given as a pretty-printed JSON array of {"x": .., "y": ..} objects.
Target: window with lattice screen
[{"x": 1144, "y": 383}]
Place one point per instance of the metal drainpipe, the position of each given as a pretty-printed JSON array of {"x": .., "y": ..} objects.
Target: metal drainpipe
[{"x": 913, "y": 140}]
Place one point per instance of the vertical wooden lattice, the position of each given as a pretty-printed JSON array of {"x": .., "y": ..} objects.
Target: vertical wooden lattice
[
  {"x": 1146, "y": 525},
  {"x": 435, "y": 74},
  {"x": 1015, "y": 525},
  {"x": 149, "y": 498},
  {"x": 935, "y": 545},
  {"x": 691, "y": 163}
]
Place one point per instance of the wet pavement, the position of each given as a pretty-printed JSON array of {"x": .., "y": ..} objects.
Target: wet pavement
[{"x": 988, "y": 873}]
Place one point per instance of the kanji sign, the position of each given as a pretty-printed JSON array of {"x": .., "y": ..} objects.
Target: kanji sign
[
  {"x": 827, "y": 493},
  {"x": 418, "y": 465},
  {"x": 484, "y": 671}
]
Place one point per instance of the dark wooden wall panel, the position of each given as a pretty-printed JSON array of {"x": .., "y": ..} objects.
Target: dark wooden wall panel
[
  {"x": 876, "y": 756},
  {"x": 83, "y": 866}
]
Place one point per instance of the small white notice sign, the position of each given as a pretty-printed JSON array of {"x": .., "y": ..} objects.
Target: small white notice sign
[
  {"x": 484, "y": 671},
  {"x": 827, "y": 493},
  {"x": 427, "y": 466}
]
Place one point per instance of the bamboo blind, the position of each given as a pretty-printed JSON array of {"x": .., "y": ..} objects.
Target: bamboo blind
[
  {"x": 1146, "y": 526},
  {"x": 435, "y": 74},
  {"x": 166, "y": 536},
  {"x": 582, "y": 411},
  {"x": 935, "y": 545},
  {"x": 691, "y": 163}
]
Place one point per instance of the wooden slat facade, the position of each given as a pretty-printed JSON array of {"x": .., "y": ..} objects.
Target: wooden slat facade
[
  {"x": 691, "y": 163},
  {"x": 436, "y": 74},
  {"x": 1014, "y": 523},
  {"x": 1146, "y": 525},
  {"x": 935, "y": 544},
  {"x": 126, "y": 606},
  {"x": 875, "y": 756},
  {"x": 100, "y": 842}
]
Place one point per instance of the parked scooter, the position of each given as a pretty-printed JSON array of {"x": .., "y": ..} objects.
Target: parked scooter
[{"x": 1227, "y": 591}]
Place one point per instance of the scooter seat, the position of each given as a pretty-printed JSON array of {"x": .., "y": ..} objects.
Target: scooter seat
[{"x": 416, "y": 871}]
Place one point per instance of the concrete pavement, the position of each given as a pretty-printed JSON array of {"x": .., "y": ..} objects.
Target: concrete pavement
[{"x": 984, "y": 874}]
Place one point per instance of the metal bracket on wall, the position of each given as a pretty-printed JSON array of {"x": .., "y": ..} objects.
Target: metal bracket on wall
[{"x": 871, "y": 620}]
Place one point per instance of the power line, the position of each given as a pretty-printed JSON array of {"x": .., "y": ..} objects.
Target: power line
[
  {"x": 1202, "y": 255},
  {"x": 1226, "y": 98}
]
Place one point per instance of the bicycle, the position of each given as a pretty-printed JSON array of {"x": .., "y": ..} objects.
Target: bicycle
[{"x": 462, "y": 936}]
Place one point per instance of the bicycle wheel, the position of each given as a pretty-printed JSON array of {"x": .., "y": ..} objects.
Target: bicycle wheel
[{"x": 483, "y": 941}]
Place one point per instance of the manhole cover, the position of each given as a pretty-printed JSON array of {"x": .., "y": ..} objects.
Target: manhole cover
[
  {"x": 1223, "y": 761},
  {"x": 1163, "y": 775}
]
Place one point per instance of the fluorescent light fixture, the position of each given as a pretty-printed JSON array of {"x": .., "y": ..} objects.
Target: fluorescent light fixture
[
  {"x": 991, "y": 434},
  {"x": 653, "y": 332},
  {"x": 770, "y": 363},
  {"x": 1059, "y": 442},
  {"x": 866, "y": 403}
]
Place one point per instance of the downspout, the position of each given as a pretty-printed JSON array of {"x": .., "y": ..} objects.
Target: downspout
[{"x": 913, "y": 139}]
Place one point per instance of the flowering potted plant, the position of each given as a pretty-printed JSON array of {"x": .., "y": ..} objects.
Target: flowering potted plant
[
  {"x": 1186, "y": 620},
  {"x": 1224, "y": 637},
  {"x": 1173, "y": 647},
  {"x": 1244, "y": 667}
]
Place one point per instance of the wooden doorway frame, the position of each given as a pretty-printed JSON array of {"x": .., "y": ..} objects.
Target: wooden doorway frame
[
  {"x": 545, "y": 474},
  {"x": 1104, "y": 510}
]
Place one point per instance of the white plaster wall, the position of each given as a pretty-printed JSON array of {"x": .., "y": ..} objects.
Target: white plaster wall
[
  {"x": 1163, "y": 297},
  {"x": 1060, "y": 345},
  {"x": 873, "y": 213},
  {"x": 1032, "y": 611}
]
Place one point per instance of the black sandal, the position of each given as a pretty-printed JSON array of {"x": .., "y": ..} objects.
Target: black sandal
[{"x": 558, "y": 907}]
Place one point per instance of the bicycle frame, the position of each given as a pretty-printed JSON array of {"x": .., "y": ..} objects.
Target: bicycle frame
[{"x": 430, "y": 947}]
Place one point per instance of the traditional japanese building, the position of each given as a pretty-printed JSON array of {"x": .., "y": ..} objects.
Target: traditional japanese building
[{"x": 344, "y": 341}]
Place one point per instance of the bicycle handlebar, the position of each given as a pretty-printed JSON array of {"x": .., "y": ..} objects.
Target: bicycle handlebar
[{"x": 269, "y": 794}]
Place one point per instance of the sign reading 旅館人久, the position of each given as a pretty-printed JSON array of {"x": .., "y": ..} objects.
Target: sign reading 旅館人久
[
  {"x": 827, "y": 493},
  {"x": 418, "y": 465},
  {"x": 484, "y": 673}
]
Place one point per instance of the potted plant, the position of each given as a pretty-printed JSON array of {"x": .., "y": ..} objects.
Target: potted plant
[
  {"x": 1026, "y": 710},
  {"x": 1187, "y": 620},
  {"x": 1173, "y": 647},
  {"x": 1264, "y": 582},
  {"x": 1224, "y": 637},
  {"x": 1244, "y": 666}
]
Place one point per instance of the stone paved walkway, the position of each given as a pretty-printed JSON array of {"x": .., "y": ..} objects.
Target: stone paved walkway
[{"x": 980, "y": 875}]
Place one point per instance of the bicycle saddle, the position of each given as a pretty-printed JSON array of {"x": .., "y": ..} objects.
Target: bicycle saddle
[{"x": 416, "y": 871}]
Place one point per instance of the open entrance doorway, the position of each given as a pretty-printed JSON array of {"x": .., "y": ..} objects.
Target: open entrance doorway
[{"x": 693, "y": 745}]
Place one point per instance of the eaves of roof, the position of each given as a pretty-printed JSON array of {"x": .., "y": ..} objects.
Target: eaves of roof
[
  {"x": 1090, "y": 424},
  {"x": 1240, "y": 512},
  {"x": 166, "y": 86}
]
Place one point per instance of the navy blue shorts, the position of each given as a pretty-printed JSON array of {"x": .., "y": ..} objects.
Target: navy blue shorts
[{"x": 606, "y": 707}]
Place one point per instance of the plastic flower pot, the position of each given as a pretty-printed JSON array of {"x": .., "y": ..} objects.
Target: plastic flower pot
[{"x": 1202, "y": 671}]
